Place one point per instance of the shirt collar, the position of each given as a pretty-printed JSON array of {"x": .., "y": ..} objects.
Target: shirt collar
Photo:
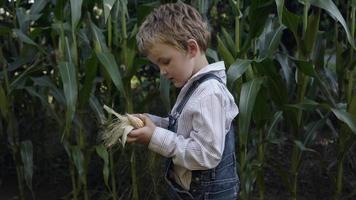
[{"x": 213, "y": 67}]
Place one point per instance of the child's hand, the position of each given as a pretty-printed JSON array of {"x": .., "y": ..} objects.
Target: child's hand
[{"x": 142, "y": 135}]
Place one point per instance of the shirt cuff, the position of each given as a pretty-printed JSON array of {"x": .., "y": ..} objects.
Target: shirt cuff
[{"x": 160, "y": 140}]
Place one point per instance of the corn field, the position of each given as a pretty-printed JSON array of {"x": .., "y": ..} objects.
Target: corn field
[{"x": 290, "y": 66}]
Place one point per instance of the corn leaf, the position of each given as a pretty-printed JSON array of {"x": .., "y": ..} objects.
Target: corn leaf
[
  {"x": 229, "y": 42},
  {"x": 45, "y": 82},
  {"x": 212, "y": 54},
  {"x": 18, "y": 82},
  {"x": 78, "y": 159},
  {"x": 313, "y": 128},
  {"x": 280, "y": 6},
  {"x": 38, "y": 6},
  {"x": 292, "y": 21},
  {"x": 98, "y": 39},
  {"x": 91, "y": 66},
  {"x": 24, "y": 38},
  {"x": 306, "y": 104},
  {"x": 4, "y": 107},
  {"x": 26, "y": 150},
  {"x": 97, "y": 108},
  {"x": 302, "y": 147},
  {"x": 286, "y": 68},
  {"x": 311, "y": 33},
  {"x": 70, "y": 88},
  {"x": 346, "y": 118},
  {"x": 277, "y": 117},
  {"x": 237, "y": 69},
  {"x": 76, "y": 8},
  {"x": 269, "y": 40},
  {"x": 258, "y": 14},
  {"x": 111, "y": 67},
  {"x": 331, "y": 8},
  {"x": 224, "y": 52},
  {"x": 103, "y": 153},
  {"x": 306, "y": 67},
  {"x": 248, "y": 96},
  {"x": 23, "y": 19},
  {"x": 108, "y": 5}
]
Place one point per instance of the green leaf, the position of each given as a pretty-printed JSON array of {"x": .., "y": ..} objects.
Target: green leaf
[
  {"x": 280, "y": 6},
  {"x": 302, "y": 147},
  {"x": 277, "y": 117},
  {"x": 224, "y": 52},
  {"x": 236, "y": 70},
  {"x": 27, "y": 160},
  {"x": 269, "y": 40},
  {"x": 78, "y": 159},
  {"x": 352, "y": 107},
  {"x": 76, "y": 8},
  {"x": 109, "y": 63},
  {"x": 259, "y": 11},
  {"x": 4, "y": 107},
  {"x": 98, "y": 39},
  {"x": 91, "y": 66},
  {"x": 45, "y": 82},
  {"x": 248, "y": 96},
  {"x": 306, "y": 104},
  {"x": 292, "y": 21},
  {"x": 210, "y": 53},
  {"x": 23, "y": 19},
  {"x": 229, "y": 42},
  {"x": 18, "y": 82},
  {"x": 38, "y": 6},
  {"x": 108, "y": 5},
  {"x": 24, "y": 38},
  {"x": 353, "y": 3},
  {"x": 311, "y": 33},
  {"x": 346, "y": 118},
  {"x": 97, "y": 109},
  {"x": 285, "y": 67},
  {"x": 103, "y": 153},
  {"x": 333, "y": 11},
  {"x": 70, "y": 88},
  {"x": 306, "y": 67}
]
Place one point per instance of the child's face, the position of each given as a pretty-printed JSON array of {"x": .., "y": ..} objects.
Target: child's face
[{"x": 175, "y": 65}]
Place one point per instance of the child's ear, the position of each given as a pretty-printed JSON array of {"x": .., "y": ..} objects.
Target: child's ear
[{"x": 193, "y": 47}]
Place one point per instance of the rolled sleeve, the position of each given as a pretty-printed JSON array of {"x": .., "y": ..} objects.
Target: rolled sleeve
[{"x": 159, "y": 121}]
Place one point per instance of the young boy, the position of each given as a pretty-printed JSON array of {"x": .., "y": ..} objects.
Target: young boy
[{"x": 198, "y": 137}]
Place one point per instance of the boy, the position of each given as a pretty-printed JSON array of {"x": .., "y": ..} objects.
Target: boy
[{"x": 198, "y": 137}]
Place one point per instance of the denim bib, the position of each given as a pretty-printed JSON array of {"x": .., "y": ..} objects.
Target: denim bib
[{"x": 219, "y": 183}]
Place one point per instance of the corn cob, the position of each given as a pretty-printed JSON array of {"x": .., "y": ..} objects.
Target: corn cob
[{"x": 118, "y": 130}]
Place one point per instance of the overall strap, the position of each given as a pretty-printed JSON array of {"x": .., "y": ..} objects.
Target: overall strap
[{"x": 192, "y": 88}]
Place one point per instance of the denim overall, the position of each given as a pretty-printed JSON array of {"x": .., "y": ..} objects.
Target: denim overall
[{"x": 219, "y": 183}]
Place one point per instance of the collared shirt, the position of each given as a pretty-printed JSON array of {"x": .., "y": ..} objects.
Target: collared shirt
[{"x": 202, "y": 126}]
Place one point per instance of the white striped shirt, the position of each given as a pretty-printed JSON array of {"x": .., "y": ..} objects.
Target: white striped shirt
[{"x": 202, "y": 126}]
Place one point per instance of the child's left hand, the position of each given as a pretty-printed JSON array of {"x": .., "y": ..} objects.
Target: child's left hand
[{"x": 142, "y": 135}]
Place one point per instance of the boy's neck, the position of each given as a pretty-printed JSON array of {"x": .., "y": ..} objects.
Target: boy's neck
[{"x": 200, "y": 63}]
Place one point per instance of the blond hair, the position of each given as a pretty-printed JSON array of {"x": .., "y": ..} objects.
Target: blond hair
[{"x": 173, "y": 24}]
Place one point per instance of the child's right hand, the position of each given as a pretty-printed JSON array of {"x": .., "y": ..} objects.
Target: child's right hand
[{"x": 142, "y": 135}]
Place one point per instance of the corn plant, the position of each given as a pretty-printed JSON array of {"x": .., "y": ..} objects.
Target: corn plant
[{"x": 263, "y": 41}]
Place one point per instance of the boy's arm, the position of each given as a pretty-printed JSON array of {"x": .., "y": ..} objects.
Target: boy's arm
[
  {"x": 159, "y": 121},
  {"x": 203, "y": 147}
]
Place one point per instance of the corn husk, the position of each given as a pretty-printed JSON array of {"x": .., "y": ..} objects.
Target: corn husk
[{"x": 119, "y": 128}]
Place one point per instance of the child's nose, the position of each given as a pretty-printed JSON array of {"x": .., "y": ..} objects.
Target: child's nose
[{"x": 163, "y": 72}]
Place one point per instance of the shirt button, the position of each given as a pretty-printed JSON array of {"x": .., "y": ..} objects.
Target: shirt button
[{"x": 197, "y": 179}]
